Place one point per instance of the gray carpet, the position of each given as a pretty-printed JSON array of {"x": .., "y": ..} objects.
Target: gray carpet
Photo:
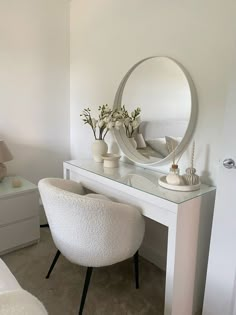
[{"x": 111, "y": 292}]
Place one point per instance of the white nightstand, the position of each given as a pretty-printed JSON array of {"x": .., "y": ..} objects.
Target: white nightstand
[{"x": 19, "y": 215}]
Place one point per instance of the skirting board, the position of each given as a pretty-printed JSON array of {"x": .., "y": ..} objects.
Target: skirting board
[{"x": 19, "y": 247}]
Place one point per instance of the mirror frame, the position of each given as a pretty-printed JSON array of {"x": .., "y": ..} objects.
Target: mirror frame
[{"x": 123, "y": 141}]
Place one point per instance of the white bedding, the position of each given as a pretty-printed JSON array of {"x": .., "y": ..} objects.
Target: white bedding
[
  {"x": 20, "y": 302},
  {"x": 149, "y": 152},
  {"x": 7, "y": 280},
  {"x": 160, "y": 137}
]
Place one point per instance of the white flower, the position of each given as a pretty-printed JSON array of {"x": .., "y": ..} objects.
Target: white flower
[
  {"x": 94, "y": 122},
  {"x": 118, "y": 124},
  {"x": 107, "y": 109},
  {"x": 127, "y": 121},
  {"x": 115, "y": 114},
  {"x": 110, "y": 125},
  {"x": 101, "y": 123},
  {"x": 106, "y": 119},
  {"x": 135, "y": 124},
  {"x": 120, "y": 113}
]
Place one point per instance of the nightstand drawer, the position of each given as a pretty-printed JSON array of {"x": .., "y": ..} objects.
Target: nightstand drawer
[
  {"x": 18, "y": 208},
  {"x": 19, "y": 234}
]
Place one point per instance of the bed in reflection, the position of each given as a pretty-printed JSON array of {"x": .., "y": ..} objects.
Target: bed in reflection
[
  {"x": 148, "y": 153},
  {"x": 157, "y": 139}
]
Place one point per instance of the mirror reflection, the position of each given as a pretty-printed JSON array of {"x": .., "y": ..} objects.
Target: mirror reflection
[{"x": 159, "y": 87}]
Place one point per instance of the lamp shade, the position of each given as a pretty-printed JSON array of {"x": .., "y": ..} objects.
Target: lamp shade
[{"x": 5, "y": 154}]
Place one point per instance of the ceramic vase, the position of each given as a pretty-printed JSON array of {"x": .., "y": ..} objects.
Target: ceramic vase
[
  {"x": 190, "y": 177},
  {"x": 173, "y": 178},
  {"x": 99, "y": 148},
  {"x": 133, "y": 142}
]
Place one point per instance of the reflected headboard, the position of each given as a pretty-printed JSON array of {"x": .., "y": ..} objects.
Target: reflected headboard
[{"x": 162, "y": 128}]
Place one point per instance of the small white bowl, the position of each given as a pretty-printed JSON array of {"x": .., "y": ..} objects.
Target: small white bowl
[{"x": 111, "y": 160}]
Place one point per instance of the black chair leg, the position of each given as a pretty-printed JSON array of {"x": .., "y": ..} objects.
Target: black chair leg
[
  {"x": 53, "y": 264},
  {"x": 85, "y": 290},
  {"x": 136, "y": 269},
  {"x": 44, "y": 225}
]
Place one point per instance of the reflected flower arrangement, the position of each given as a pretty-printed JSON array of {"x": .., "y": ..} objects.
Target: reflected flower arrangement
[{"x": 131, "y": 121}]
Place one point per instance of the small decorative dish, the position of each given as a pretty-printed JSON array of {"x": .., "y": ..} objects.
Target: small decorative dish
[
  {"x": 111, "y": 160},
  {"x": 163, "y": 183}
]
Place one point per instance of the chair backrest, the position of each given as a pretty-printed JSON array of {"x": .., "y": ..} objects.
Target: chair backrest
[{"x": 90, "y": 231}]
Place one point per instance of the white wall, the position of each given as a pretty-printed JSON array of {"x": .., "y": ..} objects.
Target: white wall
[
  {"x": 108, "y": 37},
  {"x": 220, "y": 293},
  {"x": 162, "y": 90},
  {"x": 34, "y": 85}
]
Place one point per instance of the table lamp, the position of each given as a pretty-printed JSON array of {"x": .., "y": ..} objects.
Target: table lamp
[{"x": 5, "y": 155}]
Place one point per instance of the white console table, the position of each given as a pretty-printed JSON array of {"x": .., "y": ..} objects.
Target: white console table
[
  {"x": 19, "y": 215},
  {"x": 187, "y": 215}
]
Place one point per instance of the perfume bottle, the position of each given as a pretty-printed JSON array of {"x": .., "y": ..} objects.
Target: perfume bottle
[{"x": 173, "y": 178}]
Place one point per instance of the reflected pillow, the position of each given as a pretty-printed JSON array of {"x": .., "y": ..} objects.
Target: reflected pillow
[
  {"x": 159, "y": 145},
  {"x": 172, "y": 143}
]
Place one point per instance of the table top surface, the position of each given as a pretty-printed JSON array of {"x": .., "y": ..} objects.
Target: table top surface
[
  {"x": 6, "y": 188},
  {"x": 139, "y": 178}
]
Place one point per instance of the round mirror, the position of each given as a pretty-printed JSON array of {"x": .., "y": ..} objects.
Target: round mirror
[{"x": 164, "y": 92}]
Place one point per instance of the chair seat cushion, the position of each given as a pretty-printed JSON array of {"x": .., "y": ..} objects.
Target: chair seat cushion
[{"x": 97, "y": 196}]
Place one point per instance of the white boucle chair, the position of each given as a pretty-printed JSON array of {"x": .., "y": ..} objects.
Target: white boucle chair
[{"x": 90, "y": 230}]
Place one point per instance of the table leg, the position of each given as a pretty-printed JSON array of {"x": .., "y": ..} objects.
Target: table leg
[
  {"x": 170, "y": 270},
  {"x": 66, "y": 173}
]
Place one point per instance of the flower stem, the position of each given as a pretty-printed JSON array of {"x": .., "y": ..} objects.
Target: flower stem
[
  {"x": 105, "y": 134},
  {"x": 94, "y": 134}
]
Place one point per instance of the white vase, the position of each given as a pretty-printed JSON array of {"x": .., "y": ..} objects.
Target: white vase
[
  {"x": 173, "y": 178},
  {"x": 99, "y": 148},
  {"x": 133, "y": 142}
]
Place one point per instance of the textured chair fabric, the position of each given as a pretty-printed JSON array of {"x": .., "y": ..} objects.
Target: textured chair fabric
[
  {"x": 15, "y": 300},
  {"x": 90, "y": 230}
]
